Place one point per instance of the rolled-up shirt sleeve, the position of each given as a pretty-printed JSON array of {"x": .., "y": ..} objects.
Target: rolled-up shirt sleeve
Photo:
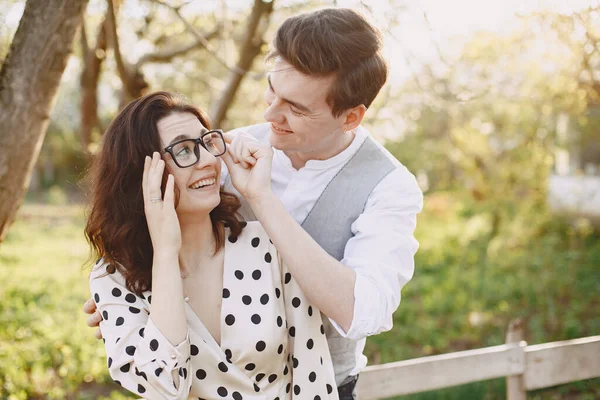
[
  {"x": 382, "y": 253},
  {"x": 139, "y": 356}
]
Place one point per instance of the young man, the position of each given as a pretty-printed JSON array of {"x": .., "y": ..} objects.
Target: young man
[{"x": 342, "y": 210}]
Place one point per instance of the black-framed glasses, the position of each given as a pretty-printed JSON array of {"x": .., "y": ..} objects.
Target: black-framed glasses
[{"x": 186, "y": 152}]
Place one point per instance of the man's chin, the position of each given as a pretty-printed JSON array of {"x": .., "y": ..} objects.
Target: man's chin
[{"x": 279, "y": 142}]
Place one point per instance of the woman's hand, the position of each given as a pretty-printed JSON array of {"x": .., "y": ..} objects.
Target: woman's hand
[
  {"x": 163, "y": 223},
  {"x": 249, "y": 164}
]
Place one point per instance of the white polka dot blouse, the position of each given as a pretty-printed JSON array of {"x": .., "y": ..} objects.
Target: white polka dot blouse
[{"x": 273, "y": 344}]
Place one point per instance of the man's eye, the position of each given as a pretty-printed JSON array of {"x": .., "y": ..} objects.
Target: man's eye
[{"x": 297, "y": 113}]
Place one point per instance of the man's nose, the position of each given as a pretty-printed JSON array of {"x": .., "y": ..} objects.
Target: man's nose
[{"x": 273, "y": 112}]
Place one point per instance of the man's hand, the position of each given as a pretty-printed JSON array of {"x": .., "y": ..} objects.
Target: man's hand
[
  {"x": 93, "y": 321},
  {"x": 249, "y": 164}
]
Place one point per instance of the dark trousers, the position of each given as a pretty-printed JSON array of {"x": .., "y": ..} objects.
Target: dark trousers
[{"x": 348, "y": 390}]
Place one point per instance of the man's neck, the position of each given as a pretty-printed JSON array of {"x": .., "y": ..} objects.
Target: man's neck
[{"x": 299, "y": 159}]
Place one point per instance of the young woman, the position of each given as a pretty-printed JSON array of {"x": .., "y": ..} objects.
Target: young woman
[{"x": 194, "y": 303}]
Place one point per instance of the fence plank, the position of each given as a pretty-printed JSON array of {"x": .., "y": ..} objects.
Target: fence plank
[
  {"x": 552, "y": 364},
  {"x": 436, "y": 372},
  {"x": 515, "y": 386}
]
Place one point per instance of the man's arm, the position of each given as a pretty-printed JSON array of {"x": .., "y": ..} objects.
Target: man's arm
[
  {"x": 361, "y": 292},
  {"x": 325, "y": 281}
]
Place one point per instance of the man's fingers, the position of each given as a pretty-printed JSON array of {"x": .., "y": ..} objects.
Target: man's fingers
[
  {"x": 89, "y": 307},
  {"x": 247, "y": 157},
  {"x": 94, "y": 320},
  {"x": 228, "y": 136},
  {"x": 228, "y": 160},
  {"x": 98, "y": 334}
]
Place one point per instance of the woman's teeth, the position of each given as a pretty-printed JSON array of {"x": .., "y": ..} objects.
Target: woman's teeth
[{"x": 202, "y": 183}]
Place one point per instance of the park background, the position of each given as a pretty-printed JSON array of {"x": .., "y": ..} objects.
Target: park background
[{"x": 493, "y": 105}]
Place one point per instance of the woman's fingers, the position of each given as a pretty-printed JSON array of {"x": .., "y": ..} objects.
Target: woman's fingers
[
  {"x": 147, "y": 162},
  {"x": 170, "y": 191},
  {"x": 98, "y": 334},
  {"x": 155, "y": 178}
]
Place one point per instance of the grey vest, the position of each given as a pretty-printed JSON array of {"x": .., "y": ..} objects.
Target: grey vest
[{"x": 329, "y": 223}]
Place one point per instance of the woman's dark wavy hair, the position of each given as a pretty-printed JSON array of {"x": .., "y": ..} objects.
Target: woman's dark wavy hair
[{"x": 116, "y": 228}]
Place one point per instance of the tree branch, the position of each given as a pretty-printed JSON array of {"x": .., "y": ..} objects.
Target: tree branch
[
  {"x": 257, "y": 25},
  {"x": 85, "y": 48},
  {"x": 201, "y": 39},
  {"x": 167, "y": 55},
  {"x": 122, "y": 69}
]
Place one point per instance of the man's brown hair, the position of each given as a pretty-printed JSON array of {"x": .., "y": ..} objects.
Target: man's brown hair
[{"x": 337, "y": 41}]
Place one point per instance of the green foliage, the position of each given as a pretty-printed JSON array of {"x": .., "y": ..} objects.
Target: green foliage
[
  {"x": 46, "y": 350},
  {"x": 465, "y": 290},
  {"x": 469, "y": 285}
]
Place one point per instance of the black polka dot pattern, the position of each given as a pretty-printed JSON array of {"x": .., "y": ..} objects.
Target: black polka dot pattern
[
  {"x": 223, "y": 367},
  {"x": 266, "y": 320},
  {"x": 222, "y": 391},
  {"x": 264, "y": 299}
]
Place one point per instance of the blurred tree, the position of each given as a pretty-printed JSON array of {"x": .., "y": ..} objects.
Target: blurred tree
[
  {"x": 484, "y": 123},
  {"x": 166, "y": 49},
  {"x": 29, "y": 80},
  {"x": 92, "y": 63}
]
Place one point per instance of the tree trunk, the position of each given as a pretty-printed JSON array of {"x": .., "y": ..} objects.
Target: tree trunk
[
  {"x": 261, "y": 12},
  {"x": 92, "y": 64},
  {"x": 29, "y": 80}
]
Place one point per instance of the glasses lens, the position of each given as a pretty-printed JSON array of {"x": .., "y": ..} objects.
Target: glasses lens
[
  {"x": 214, "y": 143},
  {"x": 184, "y": 153}
]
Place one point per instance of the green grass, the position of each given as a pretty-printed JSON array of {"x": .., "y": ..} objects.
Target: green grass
[
  {"x": 465, "y": 291},
  {"x": 46, "y": 350}
]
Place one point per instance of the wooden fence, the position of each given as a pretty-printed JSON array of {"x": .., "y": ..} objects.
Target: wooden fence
[{"x": 525, "y": 367}]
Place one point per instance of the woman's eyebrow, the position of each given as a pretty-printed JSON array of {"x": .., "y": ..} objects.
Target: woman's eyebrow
[{"x": 182, "y": 136}]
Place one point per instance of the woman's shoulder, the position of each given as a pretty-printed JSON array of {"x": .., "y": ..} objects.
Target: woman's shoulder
[{"x": 105, "y": 269}]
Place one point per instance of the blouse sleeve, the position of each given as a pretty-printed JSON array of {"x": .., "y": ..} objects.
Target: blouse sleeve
[
  {"x": 139, "y": 357},
  {"x": 312, "y": 368}
]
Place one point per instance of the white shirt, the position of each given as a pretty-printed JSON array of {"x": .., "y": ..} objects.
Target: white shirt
[{"x": 382, "y": 250}]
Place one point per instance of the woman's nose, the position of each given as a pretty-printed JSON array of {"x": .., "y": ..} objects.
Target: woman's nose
[{"x": 206, "y": 158}]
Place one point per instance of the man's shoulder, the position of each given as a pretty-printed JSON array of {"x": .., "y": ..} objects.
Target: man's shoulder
[
  {"x": 259, "y": 131},
  {"x": 398, "y": 175},
  {"x": 384, "y": 152}
]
